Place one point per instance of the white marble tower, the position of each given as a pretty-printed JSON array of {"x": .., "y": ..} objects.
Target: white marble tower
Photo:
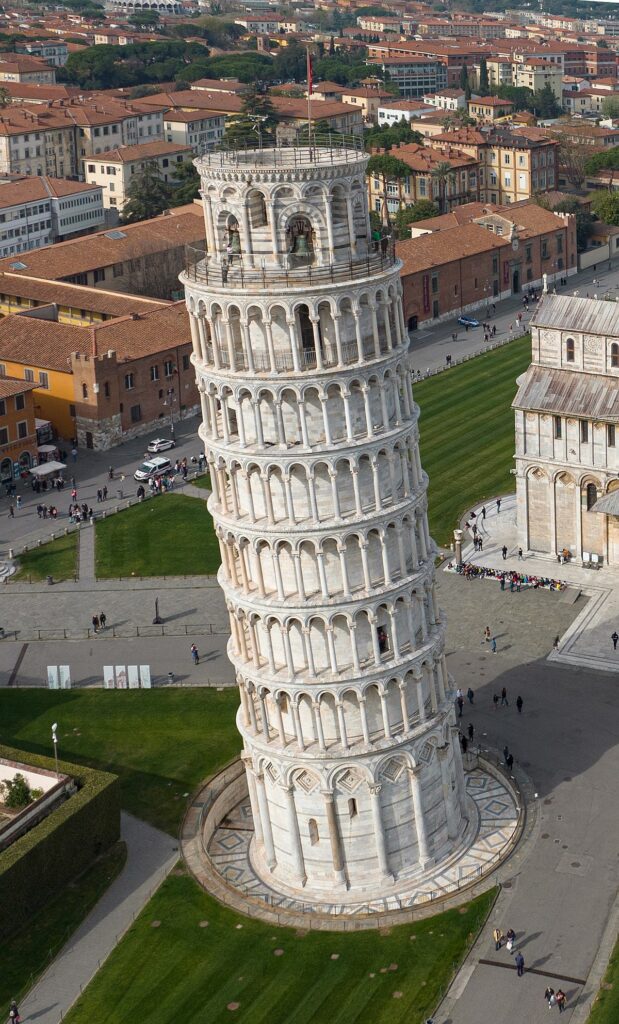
[{"x": 319, "y": 499}]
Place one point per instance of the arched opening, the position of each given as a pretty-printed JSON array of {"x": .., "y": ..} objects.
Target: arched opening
[
  {"x": 306, "y": 333},
  {"x": 570, "y": 350},
  {"x": 614, "y": 355},
  {"x": 257, "y": 208},
  {"x": 592, "y": 496},
  {"x": 6, "y": 471}
]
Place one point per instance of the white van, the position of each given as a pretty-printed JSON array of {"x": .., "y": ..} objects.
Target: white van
[{"x": 158, "y": 466}]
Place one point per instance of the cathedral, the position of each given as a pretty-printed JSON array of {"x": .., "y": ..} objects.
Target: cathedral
[{"x": 567, "y": 412}]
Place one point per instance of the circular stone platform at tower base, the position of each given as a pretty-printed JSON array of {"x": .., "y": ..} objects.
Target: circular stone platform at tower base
[{"x": 220, "y": 849}]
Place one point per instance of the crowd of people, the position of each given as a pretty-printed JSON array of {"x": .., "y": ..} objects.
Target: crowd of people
[{"x": 515, "y": 580}]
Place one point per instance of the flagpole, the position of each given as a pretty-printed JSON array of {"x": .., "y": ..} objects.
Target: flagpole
[{"x": 310, "y": 84}]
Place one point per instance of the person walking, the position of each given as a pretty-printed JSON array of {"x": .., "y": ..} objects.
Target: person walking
[
  {"x": 102, "y": 619},
  {"x": 95, "y": 623},
  {"x": 495, "y": 700},
  {"x": 18, "y": 502},
  {"x": 497, "y": 936},
  {"x": 520, "y": 555},
  {"x": 505, "y": 752},
  {"x": 104, "y": 493},
  {"x": 460, "y": 703},
  {"x": 615, "y": 638},
  {"x": 498, "y": 505},
  {"x": 74, "y": 453},
  {"x": 14, "y": 1016},
  {"x": 561, "y": 999},
  {"x": 483, "y": 512},
  {"x": 463, "y": 743},
  {"x": 487, "y": 634},
  {"x": 11, "y": 512},
  {"x": 195, "y": 654},
  {"x": 509, "y": 761},
  {"x": 471, "y": 695},
  {"x": 504, "y": 699},
  {"x": 519, "y": 703},
  {"x": 549, "y": 996},
  {"x": 493, "y": 648},
  {"x": 511, "y": 938},
  {"x": 99, "y": 496},
  {"x": 471, "y": 731},
  {"x": 504, "y": 551}
]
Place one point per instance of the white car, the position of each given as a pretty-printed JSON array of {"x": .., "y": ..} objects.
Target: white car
[{"x": 161, "y": 444}]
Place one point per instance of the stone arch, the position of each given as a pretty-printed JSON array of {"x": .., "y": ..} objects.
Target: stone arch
[{"x": 538, "y": 509}]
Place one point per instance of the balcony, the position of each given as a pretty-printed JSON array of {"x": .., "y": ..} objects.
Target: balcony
[{"x": 297, "y": 272}]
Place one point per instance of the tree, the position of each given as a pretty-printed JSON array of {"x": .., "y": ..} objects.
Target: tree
[
  {"x": 186, "y": 184},
  {"x": 290, "y": 63},
  {"x": 17, "y": 792},
  {"x": 389, "y": 169},
  {"x": 385, "y": 138},
  {"x": 256, "y": 122},
  {"x": 144, "y": 19},
  {"x": 573, "y": 159},
  {"x": 423, "y": 209},
  {"x": 484, "y": 81},
  {"x": 605, "y": 205},
  {"x": 545, "y": 102},
  {"x": 610, "y": 106},
  {"x": 442, "y": 174},
  {"x": 584, "y": 220},
  {"x": 607, "y": 159},
  {"x": 521, "y": 97},
  {"x": 147, "y": 195},
  {"x": 331, "y": 47}
]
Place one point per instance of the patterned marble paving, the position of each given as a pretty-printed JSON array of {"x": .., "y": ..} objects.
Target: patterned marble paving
[{"x": 486, "y": 842}]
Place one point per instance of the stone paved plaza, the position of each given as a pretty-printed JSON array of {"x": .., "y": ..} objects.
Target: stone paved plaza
[{"x": 586, "y": 641}]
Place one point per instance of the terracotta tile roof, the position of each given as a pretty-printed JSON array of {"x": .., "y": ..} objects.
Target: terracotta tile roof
[
  {"x": 426, "y": 251},
  {"x": 10, "y": 386},
  {"x": 34, "y": 342},
  {"x": 93, "y": 300},
  {"x": 31, "y": 188},
  {"x": 423, "y": 158},
  {"x": 459, "y": 215},
  {"x": 143, "y": 151},
  {"x": 22, "y": 63},
  {"x": 182, "y": 226},
  {"x": 139, "y": 335}
]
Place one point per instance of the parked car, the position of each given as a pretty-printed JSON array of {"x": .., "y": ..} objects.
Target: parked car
[
  {"x": 468, "y": 321},
  {"x": 152, "y": 468},
  {"x": 161, "y": 444}
]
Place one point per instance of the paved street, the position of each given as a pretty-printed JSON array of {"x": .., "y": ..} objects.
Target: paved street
[{"x": 566, "y": 740}]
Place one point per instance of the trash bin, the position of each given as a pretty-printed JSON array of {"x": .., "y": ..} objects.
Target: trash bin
[
  {"x": 50, "y": 580},
  {"x": 120, "y": 493}
]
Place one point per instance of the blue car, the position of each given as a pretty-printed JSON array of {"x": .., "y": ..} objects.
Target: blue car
[{"x": 468, "y": 321}]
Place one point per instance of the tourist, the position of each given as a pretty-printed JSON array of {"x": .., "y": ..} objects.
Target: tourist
[
  {"x": 504, "y": 699},
  {"x": 495, "y": 699},
  {"x": 498, "y": 937},
  {"x": 105, "y": 493},
  {"x": 519, "y": 703},
  {"x": 519, "y": 964},
  {"x": 615, "y": 638},
  {"x": 509, "y": 761},
  {"x": 99, "y": 496},
  {"x": 460, "y": 703},
  {"x": 493, "y": 645},
  {"x": 498, "y": 506},
  {"x": 483, "y": 512},
  {"x": 487, "y": 634},
  {"x": 103, "y": 619},
  {"x": 471, "y": 695},
  {"x": 14, "y": 1012},
  {"x": 504, "y": 551},
  {"x": 480, "y": 544},
  {"x": 520, "y": 555},
  {"x": 74, "y": 454},
  {"x": 18, "y": 502},
  {"x": 561, "y": 999},
  {"x": 11, "y": 512},
  {"x": 549, "y": 996},
  {"x": 471, "y": 731},
  {"x": 511, "y": 938},
  {"x": 463, "y": 743},
  {"x": 195, "y": 654},
  {"x": 95, "y": 623}
]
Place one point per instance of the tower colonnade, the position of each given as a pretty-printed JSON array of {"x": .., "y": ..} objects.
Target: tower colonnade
[{"x": 320, "y": 508}]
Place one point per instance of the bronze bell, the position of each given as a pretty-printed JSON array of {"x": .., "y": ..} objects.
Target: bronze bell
[{"x": 300, "y": 246}]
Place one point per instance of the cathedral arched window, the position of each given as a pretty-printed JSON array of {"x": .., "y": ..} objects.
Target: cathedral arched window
[
  {"x": 614, "y": 354},
  {"x": 569, "y": 350},
  {"x": 313, "y": 832},
  {"x": 592, "y": 496}
]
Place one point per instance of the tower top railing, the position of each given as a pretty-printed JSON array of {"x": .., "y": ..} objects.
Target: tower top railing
[
  {"x": 239, "y": 272},
  {"x": 252, "y": 153}
]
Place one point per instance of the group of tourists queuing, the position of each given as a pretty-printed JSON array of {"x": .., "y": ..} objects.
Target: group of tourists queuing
[
  {"x": 55, "y": 482},
  {"x": 80, "y": 513},
  {"x": 515, "y": 580}
]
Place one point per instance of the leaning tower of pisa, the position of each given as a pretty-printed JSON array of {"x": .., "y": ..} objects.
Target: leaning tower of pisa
[{"x": 319, "y": 500}]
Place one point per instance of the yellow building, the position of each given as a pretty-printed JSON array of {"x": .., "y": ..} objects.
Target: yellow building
[{"x": 488, "y": 109}]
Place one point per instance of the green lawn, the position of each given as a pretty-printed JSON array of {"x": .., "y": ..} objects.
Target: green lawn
[
  {"x": 58, "y": 558},
  {"x": 203, "y": 481},
  {"x": 161, "y": 743},
  {"x": 179, "y": 971},
  {"x": 606, "y": 1006},
  {"x": 171, "y": 535},
  {"x": 467, "y": 433},
  {"x": 26, "y": 954}
]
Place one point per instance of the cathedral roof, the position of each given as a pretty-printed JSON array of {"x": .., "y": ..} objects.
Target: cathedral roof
[
  {"x": 591, "y": 396},
  {"x": 581, "y": 315}
]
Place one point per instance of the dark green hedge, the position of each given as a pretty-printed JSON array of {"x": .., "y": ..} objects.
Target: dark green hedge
[{"x": 54, "y": 852}]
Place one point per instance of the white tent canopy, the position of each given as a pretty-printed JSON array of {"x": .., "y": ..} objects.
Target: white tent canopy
[
  {"x": 46, "y": 449},
  {"x": 48, "y": 469}
]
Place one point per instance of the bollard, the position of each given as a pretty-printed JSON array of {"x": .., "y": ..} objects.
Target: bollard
[
  {"x": 11, "y": 554},
  {"x": 52, "y": 535},
  {"x": 39, "y": 542},
  {"x": 66, "y": 531}
]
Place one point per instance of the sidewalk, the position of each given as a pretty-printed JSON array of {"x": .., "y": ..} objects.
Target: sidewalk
[{"x": 151, "y": 855}]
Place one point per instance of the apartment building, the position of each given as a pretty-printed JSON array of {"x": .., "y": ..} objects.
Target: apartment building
[
  {"x": 37, "y": 141},
  {"x": 397, "y": 110},
  {"x": 19, "y": 67},
  {"x": 39, "y": 211},
  {"x": 414, "y": 76},
  {"x": 199, "y": 130},
  {"x": 18, "y": 435},
  {"x": 488, "y": 109},
  {"x": 460, "y": 185},
  {"x": 113, "y": 171},
  {"x": 53, "y": 52},
  {"x": 514, "y": 164}
]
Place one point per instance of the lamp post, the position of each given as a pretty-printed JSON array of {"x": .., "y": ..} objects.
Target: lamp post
[
  {"x": 55, "y": 742},
  {"x": 170, "y": 401}
]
